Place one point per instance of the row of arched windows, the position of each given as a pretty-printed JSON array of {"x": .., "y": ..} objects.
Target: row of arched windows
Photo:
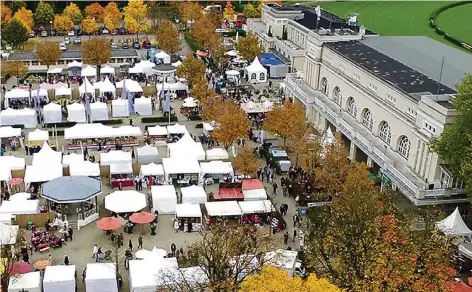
[{"x": 385, "y": 133}]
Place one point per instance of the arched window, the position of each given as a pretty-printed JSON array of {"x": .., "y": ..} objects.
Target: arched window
[
  {"x": 385, "y": 134},
  {"x": 262, "y": 76},
  {"x": 337, "y": 97},
  {"x": 253, "y": 76},
  {"x": 367, "y": 119},
  {"x": 404, "y": 146},
  {"x": 324, "y": 85},
  {"x": 352, "y": 107}
]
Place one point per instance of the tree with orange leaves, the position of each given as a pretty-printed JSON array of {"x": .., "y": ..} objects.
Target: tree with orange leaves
[
  {"x": 25, "y": 16},
  {"x": 191, "y": 69},
  {"x": 286, "y": 121},
  {"x": 203, "y": 31},
  {"x": 229, "y": 11},
  {"x": 246, "y": 162},
  {"x": 5, "y": 13},
  {"x": 190, "y": 11},
  {"x": 203, "y": 93},
  {"x": 89, "y": 26},
  {"x": 112, "y": 17},
  {"x": 233, "y": 124},
  {"x": 95, "y": 10}
]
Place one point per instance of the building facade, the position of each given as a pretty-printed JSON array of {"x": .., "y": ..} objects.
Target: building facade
[{"x": 381, "y": 93}]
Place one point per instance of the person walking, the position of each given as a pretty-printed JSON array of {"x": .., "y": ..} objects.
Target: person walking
[
  {"x": 294, "y": 235},
  {"x": 84, "y": 273},
  {"x": 94, "y": 251},
  {"x": 285, "y": 237},
  {"x": 66, "y": 260},
  {"x": 70, "y": 232},
  {"x": 274, "y": 187},
  {"x": 173, "y": 249},
  {"x": 130, "y": 245},
  {"x": 140, "y": 242}
]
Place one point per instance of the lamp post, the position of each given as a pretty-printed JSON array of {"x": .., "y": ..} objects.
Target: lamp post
[{"x": 50, "y": 23}]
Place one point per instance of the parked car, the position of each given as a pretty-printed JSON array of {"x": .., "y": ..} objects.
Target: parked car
[
  {"x": 146, "y": 45},
  {"x": 114, "y": 32},
  {"x": 125, "y": 46},
  {"x": 131, "y": 32},
  {"x": 105, "y": 31},
  {"x": 122, "y": 31},
  {"x": 136, "y": 46},
  {"x": 32, "y": 34},
  {"x": 62, "y": 47},
  {"x": 44, "y": 33},
  {"x": 79, "y": 32},
  {"x": 67, "y": 41},
  {"x": 71, "y": 33},
  {"x": 77, "y": 41},
  {"x": 60, "y": 33}
]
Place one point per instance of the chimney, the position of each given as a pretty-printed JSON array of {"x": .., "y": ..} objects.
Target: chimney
[{"x": 362, "y": 31}]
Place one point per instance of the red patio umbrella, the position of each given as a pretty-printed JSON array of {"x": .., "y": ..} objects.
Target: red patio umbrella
[
  {"x": 142, "y": 217},
  {"x": 109, "y": 223},
  {"x": 20, "y": 268},
  {"x": 16, "y": 181}
]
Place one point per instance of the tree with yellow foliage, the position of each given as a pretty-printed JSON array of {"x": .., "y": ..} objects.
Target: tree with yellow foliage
[
  {"x": 6, "y": 13},
  {"x": 73, "y": 12},
  {"x": 286, "y": 120},
  {"x": 63, "y": 23},
  {"x": 272, "y": 279},
  {"x": 25, "y": 16},
  {"x": 192, "y": 69},
  {"x": 48, "y": 53},
  {"x": 233, "y": 124},
  {"x": 203, "y": 93},
  {"x": 249, "y": 47},
  {"x": 112, "y": 17},
  {"x": 15, "y": 68},
  {"x": 96, "y": 52},
  {"x": 246, "y": 162},
  {"x": 95, "y": 11},
  {"x": 168, "y": 38},
  {"x": 250, "y": 11},
  {"x": 203, "y": 31},
  {"x": 135, "y": 16},
  {"x": 229, "y": 11},
  {"x": 89, "y": 26},
  {"x": 190, "y": 11},
  {"x": 262, "y": 2}
]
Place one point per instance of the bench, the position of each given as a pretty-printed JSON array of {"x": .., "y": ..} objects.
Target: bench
[{"x": 44, "y": 249}]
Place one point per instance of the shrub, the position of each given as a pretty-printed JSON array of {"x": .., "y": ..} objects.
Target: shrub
[
  {"x": 110, "y": 122},
  {"x": 61, "y": 125},
  {"x": 191, "y": 42},
  {"x": 158, "y": 119}
]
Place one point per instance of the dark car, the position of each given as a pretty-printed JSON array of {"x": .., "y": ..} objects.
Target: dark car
[
  {"x": 79, "y": 32},
  {"x": 136, "y": 46},
  {"x": 114, "y": 32},
  {"x": 60, "y": 33},
  {"x": 146, "y": 45},
  {"x": 125, "y": 46},
  {"x": 53, "y": 32},
  {"x": 122, "y": 31}
]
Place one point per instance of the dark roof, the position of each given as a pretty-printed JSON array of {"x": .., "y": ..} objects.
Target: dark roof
[
  {"x": 71, "y": 189},
  {"x": 388, "y": 69},
  {"x": 74, "y": 54},
  {"x": 164, "y": 68}
]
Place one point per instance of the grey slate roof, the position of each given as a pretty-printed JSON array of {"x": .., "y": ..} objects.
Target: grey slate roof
[{"x": 71, "y": 189}]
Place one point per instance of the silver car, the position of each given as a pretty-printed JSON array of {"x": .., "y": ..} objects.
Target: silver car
[{"x": 67, "y": 41}]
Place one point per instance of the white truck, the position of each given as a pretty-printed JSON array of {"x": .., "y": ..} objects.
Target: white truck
[{"x": 286, "y": 260}]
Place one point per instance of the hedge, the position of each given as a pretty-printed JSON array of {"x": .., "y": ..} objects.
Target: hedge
[
  {"x": 158, "y": 119},
  {"x": 61, "y": 125},
  {"x": 191, "y": 41},
  {"x": 18, "y": 126},
  {"x": 110, "y": 122},
  {"x": 195, "y": 118},
  {"x": 58, "y": 133}
]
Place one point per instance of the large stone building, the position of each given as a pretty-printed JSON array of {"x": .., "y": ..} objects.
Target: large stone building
[{"x": 381, "y": 93}]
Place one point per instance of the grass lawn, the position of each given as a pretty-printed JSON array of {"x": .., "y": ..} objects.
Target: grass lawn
[
  {"x": 453, "y": 22},
  {"x": 390, "y": 18}
]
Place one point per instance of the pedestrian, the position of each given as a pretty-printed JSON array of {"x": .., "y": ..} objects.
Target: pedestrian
[
  {"x": 140, "y": 242},
  {"x": 99, "y": 255},
  {"x": 176, "y": 225},
  {"x": 136, "y": 183},
  {"x": 294, "y": 235},
  {"x": 70, "y": 232},
  {"x": 274, "y": 187},
  {"x": 132, "y": 153},
  {"x": 94, "y": 251},
  {"x": 131, "y": 122},
  {"x": 285, "y": 237},
  {"x": 281, "y": 209},
  {"x": 130, "y": 245},
  {"x": 294, "y": 220},
  {"x": 140, "y": 184},
  {"x": 66, "y": 260},
  {"x": 50, "y": 259},
  {"x": 120, "y": 187},
  {"x": 26, "y": 257},
  {"x": 173, "y": 249},
  {"x": 84, "y": 273}
]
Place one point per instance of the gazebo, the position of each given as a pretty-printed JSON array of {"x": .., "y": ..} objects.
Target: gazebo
[{"x": 256, "y": 72}]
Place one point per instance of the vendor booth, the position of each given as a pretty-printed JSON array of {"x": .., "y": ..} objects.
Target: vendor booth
[
  {"x": 16, "y": 95},
  {"x": 120, "y": 108},
  {"x": 115, "y": 157},
  {"x": 187, "y": 147},
  {"x": 87, "y": 89},
  {"x": 181, "y": 170},
  {"x": 152, "y": 174},
  {"x": 26, "y": 117},
  {"x": 256, "y": 73},
  {"x": 176, "y": 130},
  {"x": 218, "y": 211},
  {"x": 47, "y": 156},
  {"x": 157, "y": 135},
  {"x": 107, "y": 70},
  {"x": 126, "y": 136},
  {"x": 59, "y": 279},
  {"x": 151, "y": 274},
  {"x": 163, "y": 57},
  {"x": 21, "y": 206},
  {"x": 107, "y": 88},
  {"x": 121, "y": 173},
  {"x": 164, "y": 199},
  {"x": 52, "y": 113},
  {"x": 85, "y": 168},
  {"x": 208, "y": 128},
  {"x": 89, "y": 71},
  {"x": 217, "y": 154},
  {"x": 62, "y": 91},
  {"x": 193, "y": 195},
  {"x": 189, "y": 212},
  {"x": 257, "y": 212},
  {"x": 143, "y": 106},
  {"x": 12, "y": 163},
  {"x": 253, "y": 190},
  {"x": 101, "y": 277},
  {"x": 76, "y": 113},
  {"x": 30, "y": 282},
  {"x": 37, "y": 137},
  {"x": 72, "y": 158},
  {"x": 37, "y": 173},
  {"x": 128, "y": 201},
  {"x": 147, "y": 154},
  {"x": 216, "y": 171},
  {"x": 9, "y": 132},
  {"x": 178, "y": 89},
  {"x": 99, "y": 111},
  {"x": 89, "y": 135}
]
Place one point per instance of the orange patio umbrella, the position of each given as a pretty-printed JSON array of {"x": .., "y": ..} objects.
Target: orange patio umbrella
[
  {"x": 109, "y": 223},
  {"x": 142, "y": 218},
  {"x": 42, "y": 264}
]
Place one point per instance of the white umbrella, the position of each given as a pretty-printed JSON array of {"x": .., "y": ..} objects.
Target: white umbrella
[
  {"x": 125, "y": 201},
  {"x": 189, "y": 104},
  {"x": 189, "y": 99},
  {"x": 232, "y": 73}
]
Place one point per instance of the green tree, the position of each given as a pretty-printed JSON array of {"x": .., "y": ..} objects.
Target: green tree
[
  {"x": 74, "y": 13},
  {"x": 454, "y": 145},
  {"x": 250, "y": 11},
  {"x": 44, "y": 13},
  {"x": 15, "y": 5},
  {"x": 15, "y": 33}
]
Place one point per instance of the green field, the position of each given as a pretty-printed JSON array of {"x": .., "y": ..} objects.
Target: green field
[{"x": 390, "y": 18}]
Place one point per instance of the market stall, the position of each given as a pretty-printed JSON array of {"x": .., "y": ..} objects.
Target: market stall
[
  {"x": 76, "y": 113},
  {"x": 176, "y": 130},
  {"x": 20, "y": 207},
  {"x": 16, "y": 97},
  {"x": 37, "y": 137},
  {"x": 87, "y": 89},
  {"x": 121, "y": 174},
  {"x": 187, "y": 147},
  {"x": 26, "y": 117},
  {"x": 217, "y": 154},
  {"x": 52, "y": 113},
  {"x": 256, "y": 73},
  {"x": 193, "y": 195},
  {"x": 9, "y": 132},
  {"x": 157, "y": 134},
  {"x": 152, "y": 274},
  {"x": 216, "y": 212},
  {"x": 181, "y": 170},
  {"x": 89, "y": 71},
  {"x": 163, "y": 57},
  {"x": 85, "y": 168},
  {"x": 72, "y": 158},
  {"x": 62, "y": 91},
  {"x": 208, "y": 128},
  {"x": 99, "y": 111},
  {"x": 47, "y": 156},
  {"x": 59, "y": 279},
  {"x": 12, "y": 162},
  {"x": 164, "y": 199},
  {"x": 253, "y": 190},
  {"x": 107, "y": 70},
  {"x": 256, "y": 212},
  {"x": 120, "y": 108},
  {"x": 37, "y": 173},
  {"x": 178, "y": 89},
  {"x": 152, "y": 174},
  {"x": 143, "y": 106},
  {"x": 30, "y": 282},
  {"x": 101, "y": 277},
  {"x": 147, "y": 154},
  {"x": 107, "y": 88},
  {"x": 128, "y": 201},
  {"x": 114, "y": 157},
  {"x": 189, "y": 212},
  {"x": 90, "y": 135},
  {"x": 216, "y": 170}
]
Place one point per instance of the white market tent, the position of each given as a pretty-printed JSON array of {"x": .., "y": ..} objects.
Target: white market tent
[
  {"x": 63, "y": 91},
  {"x": 99, "y": 111},
  {"x": 147, "y": 154},
  {"x": 255, "y": 195},
  {"x": 256, "y": 72},
  {"x": 115, "y": 156},
  {"x": 59, "y": 279},
  {"x": 120, "y": 108},
  {"x": 256, "y": 207},
  {"x": 125, "y": 201},
  {"x": 217, "y": 154},
  {"x": 143, "y": 106},
  {"x": 8, "y": 132},
  {"x": 47, "y": 156},
  {"x": 177, "y": 64},
  {"x": 194, "y": 195},
  {"x": 179, "y": 165},
  {"x": 188, "y": 211},
  {"x": 127, "y": 131},
  {"x": 107, "y": 86},
  {"x": 5, "y": 174},
  {"x": 30, "y": 282},
  {"x": 216, "y": 167},
  {"x": 453, "y": 225},
  {"x": 42, "y": 92},
  {"x": 85, "y": 168},
  {"x": 121, "y": 168},
  {"x": 208, "y": 128},
  {"x": 187, "y": 147},
  {"x": 72, "y": 158},
  {"x": 8, "y": 233},
  {"x": 172, "y": 86},
  {"x": 163, "y": 57},
  {"x": 20, "y": 207},
  {"x": 38, "y": 135},
  {"x": 89, "y": 71},
  {"x": 135, "y": 70},
  {"x": 88, "y": 131},
  {"x": 151, "y": 169},
  {"x": 232, "y": 73},
  {"x": 37, "y": 173},
  {"x": 157, "y": 131},
  {"x": 149, "y": 274},
  {"x": 101, "y": 277},
  {"x": 55, "y": 70},
  {"x": 190, "y": 104},
  {"x": 16, "y": 93},
  {"x": 76, "y": 113},
  {"x": 26, "y": 117},
  {"x": 225, "y": 208},
  {"x": 87, "y": 88},
  {"x": 52, "y": 113},
  {"x": 176, "y": 129},
  {"x": 46, "y": 86},
  {"x": 107, "y": 70},
  {"x": 74, "y": 64},
  {"x": 164, "y": 199},
  {"x": 12, "y": 162},
  {"x": 146, "y": 67}
]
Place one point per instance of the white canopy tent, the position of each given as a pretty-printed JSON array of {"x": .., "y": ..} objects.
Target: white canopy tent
[
  {"x": 107, "y": 70},
  {"x": 37, "y": 173},
  {"x": 107, "y": 86},
  {"x": 255, "y": 195},
  {"x": 157, "y": 131},
  {"x": 146, "y": 67},
  {"x": 59, "y": 279},
  {"x": 163, "y": 57},
  {"x": 453, "y": 225},
  {"x": 120, "y": 108},
  {"x": 30, "y": 282},
  {"x": 178, "y": 165},
  {"x": 147, "y": 154},
  {"x": 20, "y": 207},
  {"x": 127, "y": 131},
  {"x": 55, "y": 70},
  {"x": 99, "y": 111},
  {"x": 177, "y": 64},
  {"x": 46, "y": 86},
  {"x": 38, "y": 135},
  {"x": 135, "y": 70},
  {"x": 172, "y": 86},
  {"x": 216, "y": 167},
  {"x": 12, "y": 162},
  {"x": 190, "y": 104},
  {"x": 143, "y": 106},
  {"x": 232, "y": 73},
  {"x": 150, "y": 274},
  {"x": 176, "y": 129},
  {"x": 88, "y": 131},
  {"x": 52, "y": 113},
  {"x": 74, "y": 64},
  {"x": 115, "y": 156},
  {"x": 26, "y": 117},
  {"x": 89, "y": 71},
  {"x": 125, "y": 201},
  {"x": 217, "y": 154},
  {"x": 151, "y": 169},
  {"x": 187, "y": 210},
  {"x": 194, "y": 195},
  {"x": 16, "y": 93},
  {"x": 5, "y": 174},
  {"x": 47, "y": 156},
  {"x": 42, "y": 92},
  {"x": 63, "y": 91},
  {"x": 101, "y": 277},
  {"x": 187, "y": 147},
  {"x": 72, "y": 158},
  {"x": 84, "y": 168},
  {"x": 256, "y": 72},
  {"x": 8, "y": 132},
  {"x": 225, "y": 208},
  {"x": 76, "y": 113},
  {"x": 164, "y": 199},
  {"x": 256, "y": 207},
  {"x": 87, "y": 88},
  {"x": 121, "y": 168}
]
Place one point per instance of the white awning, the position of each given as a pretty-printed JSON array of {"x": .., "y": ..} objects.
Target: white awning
[
  {"x": 226, "y": 208},
  {"x": 107, "y": 70},
  {"x": 84, "y": 168},
  {"x": 256, "y": 207},
  {"x": 453, "y": 225},
  {"x": 157, "y": 131},
  {"x": 74, "y": 64},
  {"x": 38, "y": 135},
  {"x": 63, "y": 91},
  {"x": 8, "y": 132},
  {"x": 188, "y": 211},
  {"x": 89, "y": 71},
  {"x": 152, "y": 169},
  {"x": 121, "y": 168},
  {"x": 57, "y": 70},
  {"x": 115, "y": 156}
]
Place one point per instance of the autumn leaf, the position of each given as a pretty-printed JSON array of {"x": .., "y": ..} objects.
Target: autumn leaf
[
  {"x": 89, "y": 26},
  {"x": 95, "y": 11},
  {"x": 63, "y": 23},
  {"x": 286, "y": 121},
  {"x": 249, "y": 47},
  {"x": 135, "y": 16},
  {"x": 15, "y": 68},
  {"x": 229, "y": 11},
  {"x": 96, "y": 52},
  {"x": 112, "y": 17},
  {"x": 190, "y": 11},
  {"x": 233, "y": 124},
  {"x": 168, "y": 38},
  {"x": 25, "y": 16},
  {"x": 250, "y": 11},
  {"x": 73, "y": 12},
  {"x": 48, "y": 53},
  {"x": 192, "y": 69},
  {"x": 6, "y": 13}
]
